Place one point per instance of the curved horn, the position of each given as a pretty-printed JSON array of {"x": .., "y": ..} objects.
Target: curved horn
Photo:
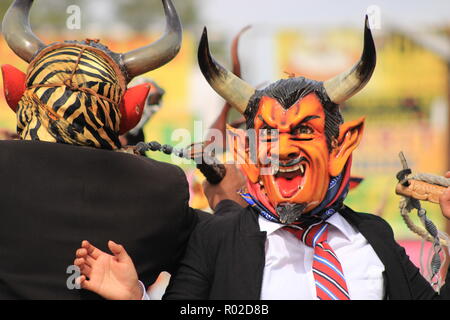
[
  {"x": 345, "y": 85},
  {"x": 157, "y": 54},
  {"x": 230, "y": 87},
  {"x": 17, "y": 31}
]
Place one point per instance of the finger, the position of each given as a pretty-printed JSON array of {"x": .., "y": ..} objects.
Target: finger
[
  {"x": 446, "y": 195},
  {"x": 79, "y": 262},
  {"x": 93, "y": 251},
  {"x": 90, "y": 261},
  {"x": 447, "y": 175},
  {"x": 83, "y": 265},
  {"x": 86, "y": 270},
  {"x": 81, "y": 253},
  {"x": 84, "y": 283},
  {"x": 80, "y": 281},
  {"x": 118, "y": 251},
  {"x": 87, "y": 260}
]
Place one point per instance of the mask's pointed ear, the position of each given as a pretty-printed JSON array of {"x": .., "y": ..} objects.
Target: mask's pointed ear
[
  {"x": 237, "y": 142},
  {"x": 13, "y": 85},
  {"x": 350, "y": 134}
]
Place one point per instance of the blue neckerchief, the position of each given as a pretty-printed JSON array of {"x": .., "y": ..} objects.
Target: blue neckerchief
[
  {"x": 260, "y": 208},
  {"x": 319, "y": 213}
]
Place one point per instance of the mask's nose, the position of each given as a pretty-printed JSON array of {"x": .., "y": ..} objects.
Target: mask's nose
[{"x": 287, "y": 150}]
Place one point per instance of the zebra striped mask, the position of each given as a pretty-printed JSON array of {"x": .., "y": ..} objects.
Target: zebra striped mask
[
  {"x": 72, "y": 96},
  {"x": 76, "y": 92}
]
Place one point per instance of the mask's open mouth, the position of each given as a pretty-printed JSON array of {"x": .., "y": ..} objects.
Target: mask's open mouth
[{"x": 290, "y": 176}]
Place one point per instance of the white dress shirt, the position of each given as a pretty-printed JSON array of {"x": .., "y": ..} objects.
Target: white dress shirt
[{"x": 288, "y": 269}]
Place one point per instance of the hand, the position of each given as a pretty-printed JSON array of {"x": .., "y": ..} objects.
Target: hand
[
  {"x": 444, "y": 200},
  {"x": 227, "y": 188},
  {"x": 111, "y": 276}
]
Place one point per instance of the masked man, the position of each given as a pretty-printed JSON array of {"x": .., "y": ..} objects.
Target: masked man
[
  {"x": 69, "y": 177},
  {"x": 295, "y": 239}
]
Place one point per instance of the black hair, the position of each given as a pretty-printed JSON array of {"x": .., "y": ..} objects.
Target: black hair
[{"x": 287, "y": 92}]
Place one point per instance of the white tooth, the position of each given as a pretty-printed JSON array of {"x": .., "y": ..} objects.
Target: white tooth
[
  {"x": 302, "y": 169},
  {"x": 289, "y": 169},
  {"x": 283, "y": 170}
]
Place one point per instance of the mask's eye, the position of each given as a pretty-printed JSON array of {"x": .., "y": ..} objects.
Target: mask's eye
[{"x": 302, "y": 130}]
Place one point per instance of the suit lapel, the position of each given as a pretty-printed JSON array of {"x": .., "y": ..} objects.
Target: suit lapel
[{"x": 250, "y": 268}]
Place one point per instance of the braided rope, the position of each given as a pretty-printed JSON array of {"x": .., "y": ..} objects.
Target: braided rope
[
  {"x": 405, "y": 209},
  {"x": 431, "y": 178}
]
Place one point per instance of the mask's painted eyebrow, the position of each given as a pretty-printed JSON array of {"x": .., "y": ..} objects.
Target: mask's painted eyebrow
[{"x": 308, "y": 118}]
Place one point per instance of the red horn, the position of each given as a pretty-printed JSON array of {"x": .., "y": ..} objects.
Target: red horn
[
  {"x": 13, "y": 85},
  {"x": 132, "y": 106}
]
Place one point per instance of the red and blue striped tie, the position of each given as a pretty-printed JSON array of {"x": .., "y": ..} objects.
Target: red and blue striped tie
[{"x": 328, "y": 275}]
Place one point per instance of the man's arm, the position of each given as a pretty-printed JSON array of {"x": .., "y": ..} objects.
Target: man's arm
[
  {"x": 193, "y": 278},
  {"x": 227, "y": 189},
  {"x": 191, "y": 281}
]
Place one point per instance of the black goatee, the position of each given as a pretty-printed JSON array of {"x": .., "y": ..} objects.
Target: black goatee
[{"x": 290, "y": 212}]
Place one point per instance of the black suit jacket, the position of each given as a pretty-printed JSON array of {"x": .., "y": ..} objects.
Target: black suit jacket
[
  {"x": 53, "y": 196},
  {"x": 225, "y": 258}
]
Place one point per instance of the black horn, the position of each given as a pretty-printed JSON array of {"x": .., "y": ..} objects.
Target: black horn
[
  {"x": 345, "y": 85},
  {"x": 230, "y": 87}
]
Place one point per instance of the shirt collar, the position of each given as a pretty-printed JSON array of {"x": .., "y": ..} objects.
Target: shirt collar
[
  {"x": 336, "y": 220},
  {"x": 268, "y": 226},
  {"x": 339, "y": 222}
]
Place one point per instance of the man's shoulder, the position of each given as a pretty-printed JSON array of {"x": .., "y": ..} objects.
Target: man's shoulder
[
  {"x": 228, "y": 218},
  {"x": 165, "y": 169},
  {"x": 116, "y": 175},
  {"x": 367, "y": 220},
  {"x": 86, "y": 156}
]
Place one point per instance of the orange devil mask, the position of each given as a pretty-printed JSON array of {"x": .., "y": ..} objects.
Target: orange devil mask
[{"x": 300, "y": 158}]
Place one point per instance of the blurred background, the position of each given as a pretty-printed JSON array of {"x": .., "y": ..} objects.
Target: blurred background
[{"x": 406, "y": 103}]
